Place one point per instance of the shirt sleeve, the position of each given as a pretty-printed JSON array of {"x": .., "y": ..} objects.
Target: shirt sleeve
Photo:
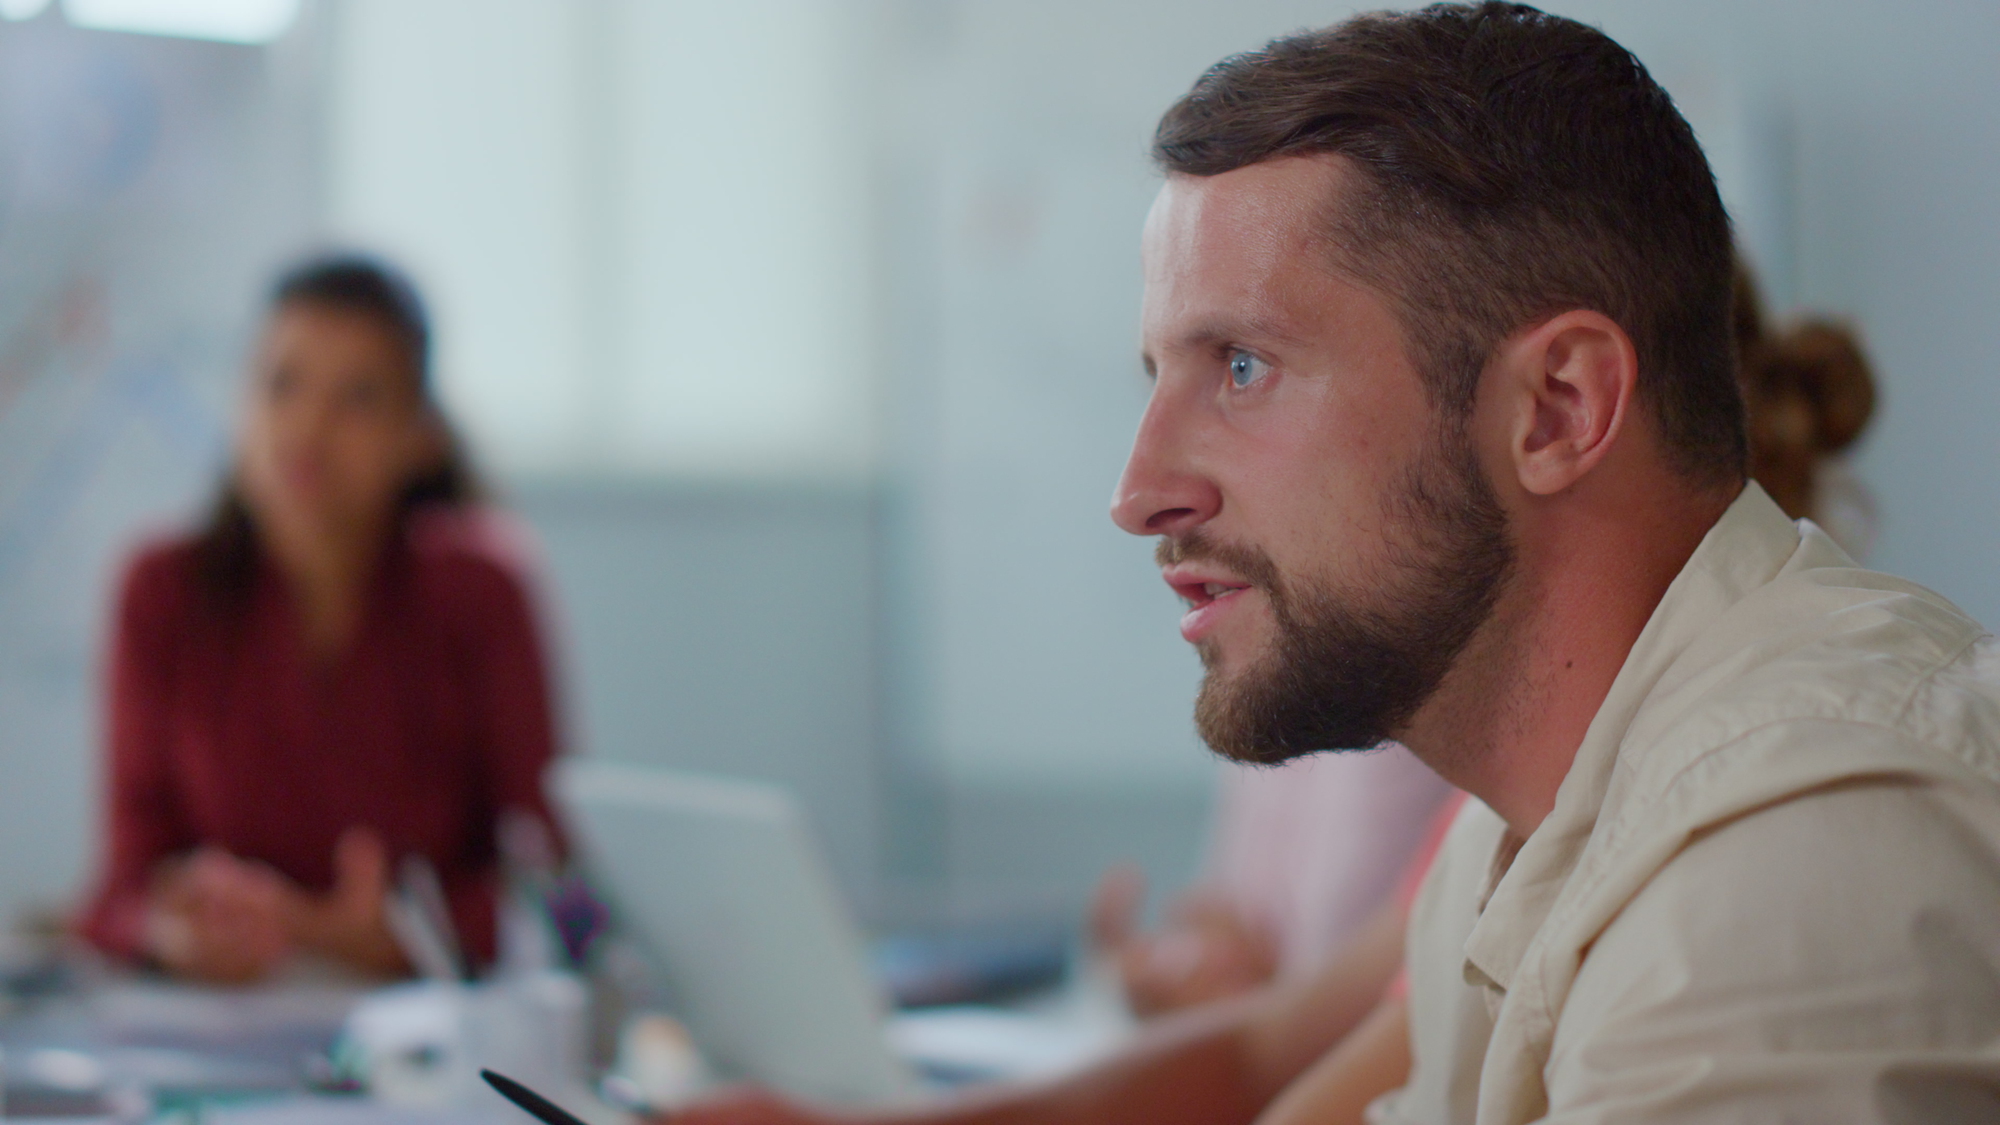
[
  {"x": 142, "y": 819},
  {"x": 518, "y": 737},
  {"x": 1835, "y": 958}
]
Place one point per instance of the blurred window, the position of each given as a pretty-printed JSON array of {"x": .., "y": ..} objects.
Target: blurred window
[
  {"x": 231, "y": 21},
  {"x": 644, "y": 223}
]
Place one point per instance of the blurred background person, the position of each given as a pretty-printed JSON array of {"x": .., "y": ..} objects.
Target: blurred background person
[
  {"x": 1810, "y": 393},
  {"x": 1301, "y": 856},
  {"x": 340, "y": 670}
]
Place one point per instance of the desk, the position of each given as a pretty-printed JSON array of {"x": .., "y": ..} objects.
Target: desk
[
  {"x": 186, "y": 1055},
  {"x": 132, "y": 1049},
  {"x": 174, "y": 1039}
]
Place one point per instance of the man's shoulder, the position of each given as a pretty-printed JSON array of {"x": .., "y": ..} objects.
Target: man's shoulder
[
  {"x": 1822, "y": 673},
  {"x": 1821, "y": 682},
  {"x": 1826, "y": 864},
  {"x": 1813, "y": 949},
  {"x": 1956, "y": 709},
  {"x": 1801, "y": 816}
]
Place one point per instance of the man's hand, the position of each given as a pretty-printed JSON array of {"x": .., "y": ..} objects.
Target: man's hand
[
  {"x": 217, "y": 918},
  {"x": 1207, "y": 950}
]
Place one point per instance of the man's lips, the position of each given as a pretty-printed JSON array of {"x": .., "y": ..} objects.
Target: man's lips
[
  {"x": 1207, "y": 593},
  {"x": 1198, "y": 594}
]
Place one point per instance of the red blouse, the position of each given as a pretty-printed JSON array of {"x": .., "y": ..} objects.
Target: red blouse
[{"x": 224, "y": 731}]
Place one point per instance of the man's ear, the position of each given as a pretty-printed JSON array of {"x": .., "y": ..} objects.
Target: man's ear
[{"x": 1571, "y": 381}]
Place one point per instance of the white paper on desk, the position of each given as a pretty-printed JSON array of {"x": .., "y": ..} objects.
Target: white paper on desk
[
  {"x": 346, "y": 1111},
  {"x": 175, "y": 1013},
  {"x": 164, "y": 1068}
]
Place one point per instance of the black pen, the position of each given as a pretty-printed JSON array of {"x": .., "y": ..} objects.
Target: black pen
[{"x": 549, "y": 1112}]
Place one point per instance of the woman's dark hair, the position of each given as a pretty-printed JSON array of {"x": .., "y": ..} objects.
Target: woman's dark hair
[
  {"x": 1810, "y": 393},
  {"x": 226, "y": 548}
]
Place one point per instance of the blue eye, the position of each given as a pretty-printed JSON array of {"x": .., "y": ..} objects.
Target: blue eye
[{"x": 1245, "y": 369}]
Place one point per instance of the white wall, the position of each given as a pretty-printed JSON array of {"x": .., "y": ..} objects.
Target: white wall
[
  {"x": 1899, "y": 228},
  {"x": 147, "y": 186},
  {"x": 640, "y": 219},
  {"x": 745, "y": 306},
  {"x": 455, "y": 147}
]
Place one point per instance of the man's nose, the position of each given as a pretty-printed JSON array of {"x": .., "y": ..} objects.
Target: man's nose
[{"x": 1163, "y": 491}]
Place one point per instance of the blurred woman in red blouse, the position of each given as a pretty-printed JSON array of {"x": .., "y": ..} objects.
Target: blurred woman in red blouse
[{"x": 340, "y": 671}]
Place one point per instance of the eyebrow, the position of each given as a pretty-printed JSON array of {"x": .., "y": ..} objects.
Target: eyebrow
[
  {"x": 1218, "y": 332},
  {"x": 1245, "y": 329}
]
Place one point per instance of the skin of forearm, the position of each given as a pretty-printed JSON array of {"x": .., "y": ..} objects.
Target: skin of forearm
[
  {"x": 1299, "y": 1024},
  {"x": 1336, "y": 1090}
]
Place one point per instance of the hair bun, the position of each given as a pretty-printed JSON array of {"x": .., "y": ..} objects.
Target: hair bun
[{"x": 1818, "y": 365}]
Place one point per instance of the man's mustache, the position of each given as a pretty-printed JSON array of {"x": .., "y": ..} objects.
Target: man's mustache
[{"x": 1247, "y": 563}]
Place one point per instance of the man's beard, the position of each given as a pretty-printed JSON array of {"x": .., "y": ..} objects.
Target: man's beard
[{"x": 1348, "y": 675}]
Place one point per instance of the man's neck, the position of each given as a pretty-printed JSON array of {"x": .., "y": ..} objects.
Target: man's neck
[{"x": 1507, "y": 721}]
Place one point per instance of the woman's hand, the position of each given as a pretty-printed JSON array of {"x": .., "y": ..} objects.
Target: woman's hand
[
  {"x": 217, "y": 918},
  {"x": 224, "y": 920},
  {"x": 349, "y": 923}
]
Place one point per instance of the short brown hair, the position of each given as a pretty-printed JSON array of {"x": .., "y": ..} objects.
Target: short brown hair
[{"x": 1515, "y": 164}]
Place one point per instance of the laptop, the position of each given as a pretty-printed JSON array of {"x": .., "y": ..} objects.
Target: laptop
[{"x": 722, "y": 881}]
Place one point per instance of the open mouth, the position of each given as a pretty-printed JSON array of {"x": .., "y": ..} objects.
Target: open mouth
[
  {"x": 1207, "y": 600},
  {"x": 1199, "y": 595}
]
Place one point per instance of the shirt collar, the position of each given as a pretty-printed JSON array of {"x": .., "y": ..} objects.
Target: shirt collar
[{"x": 1745, "y": 549}]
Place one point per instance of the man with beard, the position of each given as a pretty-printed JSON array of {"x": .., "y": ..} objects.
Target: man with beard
[{"x": 1445, "y": 445}]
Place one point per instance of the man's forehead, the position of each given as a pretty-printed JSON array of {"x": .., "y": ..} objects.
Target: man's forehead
[
  {"x": 1270, "y": 208},
  {"x": 1241, "y": 240}
]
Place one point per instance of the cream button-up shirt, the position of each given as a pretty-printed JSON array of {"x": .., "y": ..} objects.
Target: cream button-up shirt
[{"x": 1769, "y": 890}]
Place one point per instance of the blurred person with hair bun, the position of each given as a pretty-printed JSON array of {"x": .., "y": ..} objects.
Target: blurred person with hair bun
[
  {"x": 1809, "y": 394},
  {"x": 340, "y": 671},
  {"x": 1301, "y": 857}
]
